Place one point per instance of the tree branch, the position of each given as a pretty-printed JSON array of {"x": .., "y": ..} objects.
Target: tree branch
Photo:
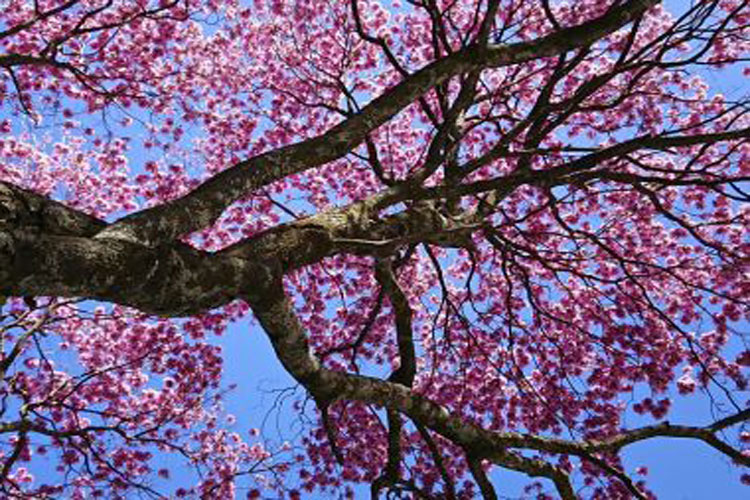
[{"x": 202, "y": 206}]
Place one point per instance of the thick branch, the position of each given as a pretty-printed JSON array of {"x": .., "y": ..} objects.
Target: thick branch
[
  {"x": 288, "y": 337},
  {"x": 485, "y": 485},
  {"x": 403, "y": 313},
  {"x": 20, "y": 208},
  {"x": 201, "y": 207},
  {"x": 47, "y": 248},
  {"x": 170, "y": 281}
]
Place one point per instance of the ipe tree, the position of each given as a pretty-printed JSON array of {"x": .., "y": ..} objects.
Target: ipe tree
[{"x": 479, "y": 234}]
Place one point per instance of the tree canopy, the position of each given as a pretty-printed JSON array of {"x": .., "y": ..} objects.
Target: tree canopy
[{"x": 479, "y": 234}]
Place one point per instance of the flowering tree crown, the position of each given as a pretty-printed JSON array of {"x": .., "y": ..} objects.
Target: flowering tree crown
[{"x": 479, "y": 234}]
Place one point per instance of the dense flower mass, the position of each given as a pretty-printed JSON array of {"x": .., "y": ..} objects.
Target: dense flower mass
[
  {"x": 479, "y": 234},
  {"x": 101, "y": 393}
]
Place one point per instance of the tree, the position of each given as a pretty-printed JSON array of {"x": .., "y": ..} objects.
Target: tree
[{"x": 477, "y": 233}]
